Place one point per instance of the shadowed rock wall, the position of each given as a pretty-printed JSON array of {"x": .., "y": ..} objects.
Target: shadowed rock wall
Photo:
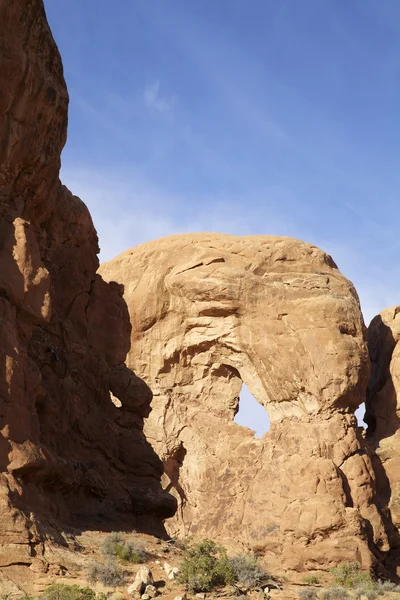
[
  {"x": 67, "y": 454},
  {"x": 383, "y": 417}
]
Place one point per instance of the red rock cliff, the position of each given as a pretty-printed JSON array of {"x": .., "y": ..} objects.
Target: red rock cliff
[{"x": 67, "y": 454}]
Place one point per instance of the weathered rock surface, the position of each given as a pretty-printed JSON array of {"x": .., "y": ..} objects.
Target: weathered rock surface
[
  {"x": 209, "y": 312},
  {"x": 212, "y": 311},
  {"x": 67, "y": 454},
  {"x": 383, "y": 412}
]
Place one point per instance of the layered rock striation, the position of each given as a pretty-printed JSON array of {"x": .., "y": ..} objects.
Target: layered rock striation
[
  {"x": 211, "y": 312},
  {"x": 67, "y": 454}
]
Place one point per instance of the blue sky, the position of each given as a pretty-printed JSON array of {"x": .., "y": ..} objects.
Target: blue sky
[{"x": 241, "y": 117}]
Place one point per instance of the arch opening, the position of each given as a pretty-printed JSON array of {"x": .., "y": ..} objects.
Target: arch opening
[
  {"x": 359, "y": 413},
  {"x": 251, "y": 413}
]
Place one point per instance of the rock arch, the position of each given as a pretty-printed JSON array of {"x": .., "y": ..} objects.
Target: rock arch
[{"x": 209, "y": 311}]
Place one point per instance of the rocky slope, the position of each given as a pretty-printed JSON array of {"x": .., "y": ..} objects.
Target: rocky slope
[
  {"x": 67, "y": 454},
  {"x": 212, "y": 311}
]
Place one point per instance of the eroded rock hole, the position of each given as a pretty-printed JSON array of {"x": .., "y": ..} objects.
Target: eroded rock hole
[
  {"x": 360, "y": 415},
  {"x": 251, "y": 413}
]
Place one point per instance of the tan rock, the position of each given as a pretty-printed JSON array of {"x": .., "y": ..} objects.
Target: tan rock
[
  {"x": 210, "y": 312},
  {"x": 136, "y": 588},
  {"x": 151, "y": 591},
  {"x": 171, "y": 572},
  {"x": 144, "y": 578}
]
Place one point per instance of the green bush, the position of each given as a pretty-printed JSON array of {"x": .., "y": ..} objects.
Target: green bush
[
  {"x": 116, "y": 547},
  {"x": 205, "y": 566},
  {"x": 311, "y": 579},
  {"x": 108, "y": 574},
  {"x": 59, "y": 591},
  {"x": 246, "y": 570},
  {"x": 350, "y": 575}
]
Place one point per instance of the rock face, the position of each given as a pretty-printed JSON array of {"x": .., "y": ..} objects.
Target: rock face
[
  {"x": 210, "y": 312},
  {"x": 383, "y": 412},
  {"x": 67, "y": 454}
]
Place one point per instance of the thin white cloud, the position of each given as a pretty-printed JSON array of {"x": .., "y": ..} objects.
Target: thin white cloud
[
  {"x": 128, "y": 210},
  {"x": 155, "y": 101}
]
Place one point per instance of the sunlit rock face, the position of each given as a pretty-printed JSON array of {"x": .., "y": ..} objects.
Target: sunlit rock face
[
  {"x": 211, "y": 311},
  {"x": 67, "y": 454}
]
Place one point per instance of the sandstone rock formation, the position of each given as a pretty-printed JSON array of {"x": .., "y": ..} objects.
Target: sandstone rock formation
[
  {"x": 209, "y": 312},
  {"x": 212, "y": 311},
  {"x": 383, "y": 413},
  {"x": 67, "y": 454}
]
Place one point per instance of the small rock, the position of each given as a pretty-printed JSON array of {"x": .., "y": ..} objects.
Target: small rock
[
  {"x": 145, "y": 597},
  {"x": 145, "y": 575},
  {"x": 151, "y": 591},
  {"x": 135, "y": 587},
  {"x": 143, "y": 578},
  {"x": 180, "y": 597},
  {"x": 201, "y": 595},
  {"x": 171, "y": 572}
]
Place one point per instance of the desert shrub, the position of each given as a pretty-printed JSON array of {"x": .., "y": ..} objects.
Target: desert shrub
[
  {"x": 116, "y": 547},
  {"x": 333, "y": 593},
  {"x": 387, "y": 586},
  {"x": 311, "y": 579},
  {"x": 108, "y": 574},
  {"x": 246, "y": 570},
  {"x": 339, "y": 593},
  {"x": 350, "y": 575},
  {"x": 361, "y": 592},
  {"x": 60, "y": 591},
  {"x": 204, "y": 566},
  {"x": 307, "y": 594}
]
